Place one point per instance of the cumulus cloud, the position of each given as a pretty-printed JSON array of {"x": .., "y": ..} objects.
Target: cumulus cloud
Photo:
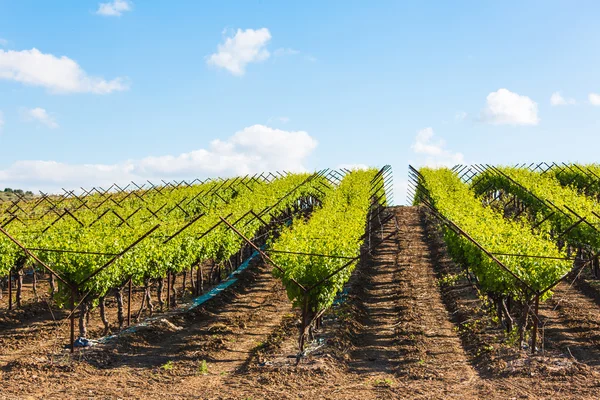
[
  {"x": 285, "y": 52},
  {"x": 352, "y": 166},
  {"x": 507, "y": 108},
  {"x": 594, "y": 99},
  {"x": 114, "y": 8},
  {"x": 283, "y": 120},
  {"x": 253, "y": 149},
  {"x": 434, "y": 150},
  {"x": 42, "y": 116},
  {"x": 57, "y": 74},
  {"x": 460, "y": 116},
  {"x": 238, "y": 51},
  {"x": 558, "y": 100}
]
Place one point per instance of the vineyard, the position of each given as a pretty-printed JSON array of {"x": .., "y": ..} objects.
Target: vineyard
[{"x": 282, "y": 285}]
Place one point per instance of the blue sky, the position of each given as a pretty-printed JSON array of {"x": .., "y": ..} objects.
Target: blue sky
[{"x": 195, "y": 88}]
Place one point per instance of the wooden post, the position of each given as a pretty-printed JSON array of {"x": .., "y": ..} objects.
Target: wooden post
[
  {"x": 535, "y": 323},
  {"x": 192, "y": 283},
  {"x": 168, "y": 290},
  {"x": 201, "y": 290},
  {"x": 129, "y": 303},
  {"x": 304, "y": 323},
  {"x": 72, "y": 320},
  {"x": 10, "y": 289},
  {"x": 198, "y": 270},
  {"x": 34, "y": 282},
  {"x": 174, "y": 280}
]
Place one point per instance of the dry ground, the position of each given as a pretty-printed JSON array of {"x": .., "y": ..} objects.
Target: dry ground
[{"x": 400, "y": 333}]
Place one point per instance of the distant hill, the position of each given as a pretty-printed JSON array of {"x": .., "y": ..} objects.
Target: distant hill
[{"x": 9, "y": 194}]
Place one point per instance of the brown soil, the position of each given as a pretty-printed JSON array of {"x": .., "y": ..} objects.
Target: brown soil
[
  {"x": 588, "y": 285},
  {"x": 400, "y": 334},
  {"x": 41, "y": 320},
  {"x": 504, "y": 370},
  {"x": 407, "y": 334},
  {"x": 151, "y": 361},
  {"x": 33, "y": 308},
  {"x": 571, "y": 309}
]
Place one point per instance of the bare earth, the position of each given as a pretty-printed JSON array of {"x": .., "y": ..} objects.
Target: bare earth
[{"x": 399, "y": 334}]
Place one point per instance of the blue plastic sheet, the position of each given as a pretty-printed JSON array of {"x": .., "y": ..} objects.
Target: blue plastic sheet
[{"x": 230, "y": 280}]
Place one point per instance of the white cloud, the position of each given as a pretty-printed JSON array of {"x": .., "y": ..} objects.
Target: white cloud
[
  {"x": 253, "y": 149},
  {"x": 285, "y": 52},
  {"x": 283, "y": 120},
  {"x": 434, "y": 151},
  {"x": 1, "y": 121},
  {"x": 114, "y": 8},
  {"x": 352, "y": 166},
  {"x": 594, "y": 99},
  {"x": 558, "y": 100},
  {"x": 460, "y": 116},
  {"x": 506, "y": 107},
  {"x": 57, "y": 74},
  {"x": 240, "y": 50},
  {"x": 3, "y": 42},
  {"x": 41, "y": 115}
]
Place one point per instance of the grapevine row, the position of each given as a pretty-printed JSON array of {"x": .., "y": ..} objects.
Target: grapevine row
[
  {"x": 482, "y": 239},
  {"x": 318, "y": 256},
  {"x": 565, "y": 212},
  {"x": 168, "y": 250}
]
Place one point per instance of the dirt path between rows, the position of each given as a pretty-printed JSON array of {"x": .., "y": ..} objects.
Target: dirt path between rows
[
  {"x": 431, "y": 346},
  {"x": 408, "y": 333},
  {"x": 224, "y": 334},
  {"x": 377, "y": 344},
  {"x": 570, "y": 322}
]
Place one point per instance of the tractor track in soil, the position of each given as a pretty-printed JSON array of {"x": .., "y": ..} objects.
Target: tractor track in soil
[
  {"x": 570, "y": 322},
  {"x": 408, "y": 333}
]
